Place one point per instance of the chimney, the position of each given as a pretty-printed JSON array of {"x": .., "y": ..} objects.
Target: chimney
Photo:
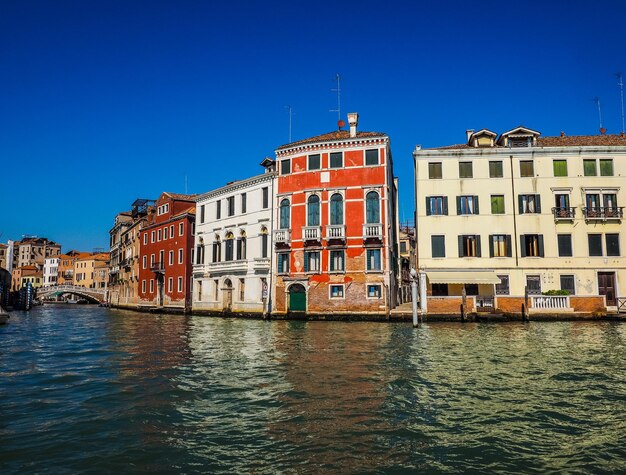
[
  {"x": 353, "y": 121},
  {"x": 468, "y": 133},
  {"x": 562, "y": 134}
]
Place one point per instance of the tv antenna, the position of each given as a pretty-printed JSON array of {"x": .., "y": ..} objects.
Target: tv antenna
[
  {"x": 620, "y": 83},
  {"x": 338, "y": 91},
  {"x": 597, "y": 101},
  {"x": 185, "y": 183},
  {"x": 290, "y": 110}
]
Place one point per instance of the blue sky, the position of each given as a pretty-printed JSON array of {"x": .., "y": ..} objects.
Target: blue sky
[{"x": 102, "y": 102}]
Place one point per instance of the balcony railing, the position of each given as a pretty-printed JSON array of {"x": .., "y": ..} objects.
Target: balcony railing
[
  {"x": 336, "y": 231},
  {"x": 311, "y": 233},
  {"x": 282, "y": 236},
  {"x": 158, "y": 267},
  {"x": 373, "y": 231},
  {"x": 564, "y": 213},
  {"x": 240, "y": 265},
  {"x": 550, "y": 302},
  {"x": 485, "y": 303},
  {"x": 604, "y": 213}
]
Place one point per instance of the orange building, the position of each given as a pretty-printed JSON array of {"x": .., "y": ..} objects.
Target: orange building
[
  {"x": 335, "y": 226},
  {"x": 66, "y": 266}
]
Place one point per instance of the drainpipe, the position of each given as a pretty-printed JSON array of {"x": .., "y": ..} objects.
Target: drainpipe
[
  {"x": 271, "y": 250},
  {"x": 514, "y": 215}
]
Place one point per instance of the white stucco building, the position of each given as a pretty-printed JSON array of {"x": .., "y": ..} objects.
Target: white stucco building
[
  {"x": 501, "y": 214},
  {"x": 50, "y": 271},
  {"x": 232, "y": 257}
]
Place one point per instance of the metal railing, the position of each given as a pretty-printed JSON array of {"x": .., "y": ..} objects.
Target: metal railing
[
  {"x": 485, "y": 302},
  {"x": 157, "y": 267},
  {"x": 312, "y": 233},
  {"x": 336, "y": 231},
  {"x": 621, "y": 304},
  {"x": 604, "y": 213},
  {"x": 372, "y": 231},
  {"x": 566, "y": 213},
  {"x": 551, "y": 302}
]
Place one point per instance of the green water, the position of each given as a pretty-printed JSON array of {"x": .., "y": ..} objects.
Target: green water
[{"x": 91, "y": 390}]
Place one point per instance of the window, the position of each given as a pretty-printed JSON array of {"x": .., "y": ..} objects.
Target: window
[
  {"x": 336, "y": 209},
  {"x": 336, "y": 291},
  {"x": 171, "y": 257},
  {"x": 229, "y": 242},
  {"x": 180, "y": 256},
  {"x": 143, "y": 286},
  {"x": 266, "y": 197},
  {"x": 371, "y": 157},
  {"x": 264, "y": 242},
  {"x": 434, "y": 170},
  {"x": 469, "y": 246},
  {"x": 465, "y": 170},
  {"x": 311, "y": 261},
  {"x": 145, "y": 238},
  {"x": 314, "y": 162},
  {"x": 159, "y": 235},
  {"x": 151, "y": 260},
  {"x": 202, "y": 213},
  {"x": 438, "y": 246},
  {"x": 373, "y": 260},
  {"x": 529, "y": 204},
  {"x": 533, "y": 284},
  {"x": 561, "y": 203},
  {"x": 403, "y": 247},
  {"x": 199, "y": 284},
  {"x": 612, "y": 244},
  {"x": 283, "y": 262},
  {"x": 336, "y": 160},
  {"x": 531, "y": 245},
  {"x": 595, "y": 244},
  {"x": 218, "y": 209},
  {"x": 242, "y": 289},
  {"x": 564, "y": 243},
  {"x": 372, "y": 208},
  {"x": 439, "y": 290},
  {"x": 180, "y": 284},
  {"x": 217, "y": 250},
  {"x": 503, "y": 287},
  {"x": 336, "y": 261},
  {"x": 170, "y": 284},
  {"x": 436, "y": 205},
  {"x": 559, "y": 167},
  {"x": 216, "y": 286},
  {"x": 172, "y": 231},
  {"x": 471, "y": 289},
  {"x": 181, "y": 228},
  {"x": 466, "y": 205},
  {"x": 153, "y": 236},
  {"x": 231, "y": 205},
  {"x": 606, "y": 167},
  {"x": 285, "y": 167},
  {"x": 165, "y": 232},
  {"x": 568, "y": 282},
  {"x": 495, "y": 169},
  {"x": 151, "y": 285},
  {"x": 145, "y": 262},
  {"x": 526, "y": 168},
  {"x": 500, "y": 245},
  {"x": 243, "y": 202},
  {"x": 589, "y": 168},
  {"x": 313, "y": 211},
  {"x": 374, "y": 291},
  {"x": 497, "y": 204},
  {"x": 284, "y": 214},
  {"x": 241, "y": 248}
]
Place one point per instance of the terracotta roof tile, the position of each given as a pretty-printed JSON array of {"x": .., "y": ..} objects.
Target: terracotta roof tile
[
  {"x": 180, "y": 196},
  {"x": 331, "y": 137},
  {"x": 564, "y": 141}
]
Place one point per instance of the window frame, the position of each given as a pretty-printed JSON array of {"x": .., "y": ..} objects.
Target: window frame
[
  {"x": 337, "y": 286},
  {"x": 432, "y": 246},
  {"x": 369, "y": 252},
  {"x": 331, "y": 261},
  {"x": 496, "y": 164},
  {"x": 573, "y": 280},
  {"x": 285, "y": 166},
  {"x": 377, "y": 157},
  {"x": 559, "y": 245},
  {"x": 526, "y": 173},
  {"x": 434, "y": 167},
  {"x": 557, "y": 164},
  {"x": 430, "y": 207},
  {"x": 319, "y": 161},
  {"x": 335, "y": 155},
  {"x": 597, "y": 236},
  {"x": 503, "y": 207},
  {"x": 463, "y": 174},
  {"x": 373, "y": 297}
]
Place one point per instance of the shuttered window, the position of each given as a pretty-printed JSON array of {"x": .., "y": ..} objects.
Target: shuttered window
[
  {"x": 526, "y": 168},
  {"x": 434, "y": 170},
  {"x": 284, "y": 214},
  {"x": 371, "y": 157},
  {"x": 595, "y": 245},
  {"x": 336, "y": 209},
  {"x": 531, "y": 245},
  {"x": 529, "y": 204},
  {"x": 469, "y": 246},
  {"x": 336, "y": 160},
  {"x": 314, "y": 162},
  {"x": 373, "y": 260},
  {"x": 372, "y": 208},
  {"x": 497, "y": 204},
  {"x": 336, "y": 261},
  {"x": 438, "y": 246},
  {"x": 312, "y": 261},
  {"x": 495, "y": 169},
  {"x": 606, "y": 167},
  {"x": 283, "y": 262},
  {"x": 466, "y": 205},
  {"x": 589, "y": 168},
  {"x": 612, "y": 245},
  {"x": 465, "y": 170},
  {"x": 313, "y": 210},
  {"x": 500, "y": 245},
  {"x": 436, "y": 205},
  {"x": 568, "y": 282},
  {"x": 559, "y": 167},
  {"x": 564, "y": 242}
]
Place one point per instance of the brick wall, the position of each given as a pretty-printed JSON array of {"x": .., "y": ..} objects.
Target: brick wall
[
  {"x": 448, "y": 305},
  {"x": 509, "y": 304},
  {"x": 588, "y": 304}
]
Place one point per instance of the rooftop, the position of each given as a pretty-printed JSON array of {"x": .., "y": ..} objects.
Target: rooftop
[{"x": 333, "y": 137}]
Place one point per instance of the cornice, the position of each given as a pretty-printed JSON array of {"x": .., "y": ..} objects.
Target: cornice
[{"x": 346, "y": 143}]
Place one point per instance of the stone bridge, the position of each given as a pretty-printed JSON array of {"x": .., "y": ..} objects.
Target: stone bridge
[{"x": 93, "y": 295}]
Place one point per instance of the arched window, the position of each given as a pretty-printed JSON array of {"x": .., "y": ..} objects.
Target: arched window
[
  {"x": 200, "y": 252},
  {"x": 217, "y": 249},
  {"x": 264, "y": 242},
  {"x": 229, "y": 241},
  {"x": 313, "y": 210},
  {"x": 241, "y": 246},
  {"x": 284, "y": 214},
  {"x": 372, "y": 208},
  {"x": 336, "y": 209}
]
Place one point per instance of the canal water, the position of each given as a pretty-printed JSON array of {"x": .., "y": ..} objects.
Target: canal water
[{"x": 91, "y": 390}]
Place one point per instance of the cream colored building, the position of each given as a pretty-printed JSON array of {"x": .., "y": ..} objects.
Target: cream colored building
[
  {"x": 530, "y": 212},
  {"x": 92, "y": 272}
]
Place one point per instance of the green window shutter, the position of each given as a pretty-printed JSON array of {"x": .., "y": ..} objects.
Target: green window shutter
[
  {"x": 461, "y": 252},
  {"x": 520, "y": 201},
  {"x": 538, "y": 203},
  {"x": 509, "y": 251},
  {"x": 428, "y": 213},
  {"x": 476, "y": 204},
  {"x": 478, "y": 253},
  {"x": 522, "y": 242},
  {"x": 458, "y": 205},
  {"x": 307, "y": 256},
  {"x": 445, "y": 205},
  {"x": 540, "y": 243},
  {"x": 589, "y": 167},
  {"x": 606, "y": 167},
  {"x": 491, "y": 244}
]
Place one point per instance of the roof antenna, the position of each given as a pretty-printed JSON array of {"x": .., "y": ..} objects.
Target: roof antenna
[
  {"x": 185, "y": 183},
  {"x": 290, "y": 110},
  {"x": 340, "y": 123},
  {"x": 620, "y": 83},
  {"x": 597, "y": 101}
]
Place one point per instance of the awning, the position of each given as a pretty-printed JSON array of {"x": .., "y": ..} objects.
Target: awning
[{"x": 462, "y": 277}]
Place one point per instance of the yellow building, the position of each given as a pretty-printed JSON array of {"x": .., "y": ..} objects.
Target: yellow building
[
  {"x": 500, "y": 216},
  {"x": 92, "y": 271}
]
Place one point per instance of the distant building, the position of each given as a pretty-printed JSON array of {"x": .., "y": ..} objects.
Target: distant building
[
  {"x": 233, "y": 246},
  {"x": 408, "y": 259},
  {"x": 3, "y": 256},
  {"x": 50, "y": 271},
  {"x": 92, "y": 271},
  {"x": 28, "y": 274},
  {"x": 32, "y": 251},
  {"x": 501, "y": 215},
  {"x": 65, "y": 271},
  {"x": 335, "y": 234},
  {"x": 166, "y": 248}
]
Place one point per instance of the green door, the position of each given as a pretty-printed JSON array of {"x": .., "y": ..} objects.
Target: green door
[{"x": 297, "y": 298}]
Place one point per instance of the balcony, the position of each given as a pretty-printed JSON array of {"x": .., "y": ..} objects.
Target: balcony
[
  {"x": 373, "y": 231},
  {"x": 564, "y": 213},
  {"x": 612, "y": 213},
  {"x": 282, "y": 236},
  {"x": 336, "y": 231},
  {"x": 126, "y": 264},
  {"x": 158, "y": 267},
  {"x": 551, "y": 302},
  {"x": 312, "y": 233},
  {"x": 240, "y": 266}
]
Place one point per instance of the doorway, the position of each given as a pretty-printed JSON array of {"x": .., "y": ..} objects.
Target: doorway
[
  {"x": 227, "y": 303},
  {"x": 606, "y": 287},
  {"x": 297, "y": 298}
]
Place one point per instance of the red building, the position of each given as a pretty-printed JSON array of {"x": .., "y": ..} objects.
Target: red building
[
  {"x": 335, "y": 228},
  {"x": 165, "y": 254}
]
